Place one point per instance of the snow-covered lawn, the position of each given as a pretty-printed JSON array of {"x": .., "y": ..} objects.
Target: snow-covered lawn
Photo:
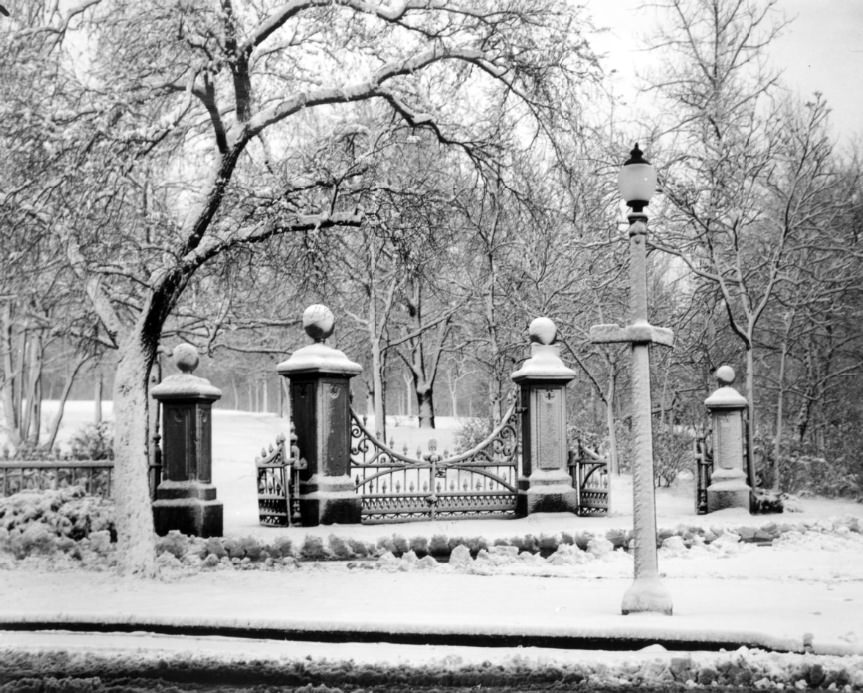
[{"x": 805, "y": 590}]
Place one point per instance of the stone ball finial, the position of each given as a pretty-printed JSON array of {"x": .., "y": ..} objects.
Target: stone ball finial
[
  {"x": 185, "y": 357},
  {"x": 725, "y": 375},
  {"x": 542, "y": 331},
  {"x": 318, "y": 322}
]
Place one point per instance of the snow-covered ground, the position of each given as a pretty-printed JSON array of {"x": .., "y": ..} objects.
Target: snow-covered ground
[{"x": 802, "y": 592}]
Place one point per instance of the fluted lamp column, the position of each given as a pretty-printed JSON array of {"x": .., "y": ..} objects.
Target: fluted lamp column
[{"x": 637, "y": 182}]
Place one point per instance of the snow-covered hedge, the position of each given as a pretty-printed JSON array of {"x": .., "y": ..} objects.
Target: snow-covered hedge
[
  {"x": 63, "y": 520},
  {"x": 66, "y": 523}
]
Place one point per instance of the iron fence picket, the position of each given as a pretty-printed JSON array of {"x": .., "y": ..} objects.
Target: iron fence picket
[{"x": 94, "y": 476}]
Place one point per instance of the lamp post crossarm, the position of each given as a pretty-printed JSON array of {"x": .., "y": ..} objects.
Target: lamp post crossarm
[{"x": 637, "y": 333}]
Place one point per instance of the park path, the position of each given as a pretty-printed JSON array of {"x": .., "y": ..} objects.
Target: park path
[{"x": 400, "y": 604}]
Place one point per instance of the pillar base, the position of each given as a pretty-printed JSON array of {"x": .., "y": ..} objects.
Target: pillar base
[
  {"x": 189, "y": 507},
  {"x": 330, "y": 500},
  {"x": 647, "y": 595},
  {"x": 728, "y": 489},
  {"x": 546, "y": 492}
]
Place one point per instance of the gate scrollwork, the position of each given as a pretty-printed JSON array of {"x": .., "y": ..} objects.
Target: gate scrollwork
[{"x": 482, "y": 481}]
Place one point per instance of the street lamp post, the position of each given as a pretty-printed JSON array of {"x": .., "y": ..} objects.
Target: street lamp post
[{"x": 637, "y": 181}]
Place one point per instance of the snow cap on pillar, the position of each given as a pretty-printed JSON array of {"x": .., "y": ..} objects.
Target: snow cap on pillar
[
  {"x": 185, "y": 385},
  {"x": 318, "y": 322},
  {"x": 544, "y": 362},
  {"x": 725, "y": 397}
]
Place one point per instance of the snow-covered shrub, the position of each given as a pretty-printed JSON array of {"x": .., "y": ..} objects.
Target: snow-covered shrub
[
  {"x": 400, "y": 544},
  {"x": 600, "y": 547},
  {"x": 472, "y": 433},
  {"x": 803, "y": 472},
  {"x": 569, "y": 554},
  {"x": 282, "y": 547},
  {"x": 93, "y": 442},
  {"x": 174, "y": 542},
  {"x": 65, "y": 512},
  {"x": 35, "y": 538},
  {"x": 766, "y": 502},
  {"x": 419, "y": 545},
  {"x": 360, "y": 548},
  {"x": 385, "y": 545},
  {"x": 619, "y": 538},
  {"x": 252, "y": 548},
  {"x": 340, "y": 548},
  {"x": 439, "y": 545},
  {"x": 313, "y": 549},
  {"x": 232, "y": 548},
  {"x": 812, "y": 475},
  {"x": 527, "y": 543},
  {"x": 672, "y": 453},
  {"x": 100, "y": 541},
  {"x": 473, "y": 544}
]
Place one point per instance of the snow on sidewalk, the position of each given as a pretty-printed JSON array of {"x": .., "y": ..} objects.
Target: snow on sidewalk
[{"x": 735, "y": 593}]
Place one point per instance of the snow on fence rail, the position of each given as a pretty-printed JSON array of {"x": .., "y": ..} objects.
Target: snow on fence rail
[{"x": 94, "y": 476}]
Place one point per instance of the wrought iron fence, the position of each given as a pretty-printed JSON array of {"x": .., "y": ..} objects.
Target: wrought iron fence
[
  {"x": 480, "y": 482},
  {"x": 94, "y": 476},
  {"x": 278, "y": 479},
  {"x": 589, "y": 474}
]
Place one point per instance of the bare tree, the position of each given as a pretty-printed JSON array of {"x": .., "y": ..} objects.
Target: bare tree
[
  {"x": 730, "y": 135},
  {"x": 223, "y": 87}
]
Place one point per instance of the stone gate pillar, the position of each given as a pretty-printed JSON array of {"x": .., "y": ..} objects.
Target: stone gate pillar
[
  {"x": 545, "y": 484},
  {"x": 319, "y": 377},
  {"x": 728, "y": 487},
  {"x": 186, "y": 498}
]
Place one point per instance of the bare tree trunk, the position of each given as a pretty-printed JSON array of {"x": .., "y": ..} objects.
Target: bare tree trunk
[
  {"x": 282, "y": 398},
  {"x": 36, "y": 405},
  {"x": 378, "y": 395},
  {"x": 134, "y": 519},
  {"x": 613, "y": 463},
  {"x": 153, "y": 412},
  {"x": 370, "y": 399},
  {"x": 454, "y": 398},
  {"x": 24, "y": 394},
  {"x": 61, "y": 404},
  {"x": 286, "y": 398},
  {"x": 10, "y": 382},
  {"x": 408, "y": 380},
  {"x": 377, "y": 375},
  {"x": 97, "y": 398},
  {"x": 750, "y": 396},
  {"x": 235, "y": 392},
  {"x": 425, "y": 405},
  {"x": 31, "y": 420},
  {"x": 780, "y": 402}
]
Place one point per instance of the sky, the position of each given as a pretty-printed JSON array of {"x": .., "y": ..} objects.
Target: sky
[{"x": 820, "y": 50}]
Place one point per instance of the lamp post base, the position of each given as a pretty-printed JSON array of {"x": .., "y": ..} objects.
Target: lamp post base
[{"x": 647, "y": 595}]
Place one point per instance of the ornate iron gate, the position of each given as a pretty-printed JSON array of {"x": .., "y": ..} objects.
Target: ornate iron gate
[
  {"x": 589, "y": 474},
  {"x": 481, "y": 482},
  {"x": 703, "y": 472},
  {"x": 278, "y": 477}
]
